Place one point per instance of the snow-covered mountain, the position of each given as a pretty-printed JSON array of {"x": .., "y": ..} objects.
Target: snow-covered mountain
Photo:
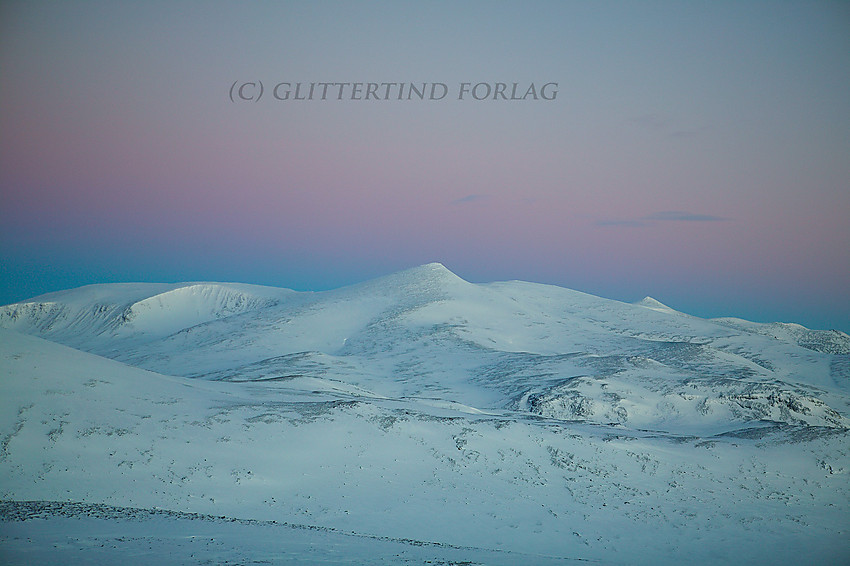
[{"x": 424, "y": 417}]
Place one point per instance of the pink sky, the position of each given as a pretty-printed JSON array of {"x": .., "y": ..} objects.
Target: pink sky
[{"x": 694, "y": 153}]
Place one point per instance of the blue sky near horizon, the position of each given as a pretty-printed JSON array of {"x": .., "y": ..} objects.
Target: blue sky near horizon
[{"x": 696, "y": 152}]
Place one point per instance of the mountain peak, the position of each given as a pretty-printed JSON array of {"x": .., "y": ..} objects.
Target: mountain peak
[
  {"x": 654, "y": 304},
  {"x": 433, "y": 271},
  {"x": 430, "y": 281},
  {"x": 434, "y": 267}
]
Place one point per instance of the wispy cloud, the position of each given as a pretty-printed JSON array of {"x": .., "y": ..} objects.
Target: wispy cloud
[
  {"x": 678, "y": 215},
  {"x": 656, "y": 217}
]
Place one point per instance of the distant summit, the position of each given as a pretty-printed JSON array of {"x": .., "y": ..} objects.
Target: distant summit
[
  {"x": 424, "y": 282},
  {"x": 655, "y": 305}
]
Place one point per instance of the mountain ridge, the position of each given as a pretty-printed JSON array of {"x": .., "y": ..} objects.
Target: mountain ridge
[
  {"x": 153, "y": 311},
  {"x": 379, "y": 331}
]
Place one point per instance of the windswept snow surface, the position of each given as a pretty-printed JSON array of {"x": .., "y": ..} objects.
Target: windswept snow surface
[{"x": 415, "y": 418}]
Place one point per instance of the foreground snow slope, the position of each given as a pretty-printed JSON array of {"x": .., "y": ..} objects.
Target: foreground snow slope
[{"x": 520, "y": 422}]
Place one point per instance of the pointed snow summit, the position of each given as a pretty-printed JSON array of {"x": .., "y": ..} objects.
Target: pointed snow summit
[
  {"x": 425, "y": 283},
  {"x": 430, "y": 274},
  {"x": 655, "y": 305}
]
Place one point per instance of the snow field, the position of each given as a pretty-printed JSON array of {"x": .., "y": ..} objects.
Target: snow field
[{"x": 412, "y": 418}]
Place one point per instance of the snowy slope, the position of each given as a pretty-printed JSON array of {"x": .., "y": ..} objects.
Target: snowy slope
[
  {"x": 103, "y": 316},
  {"x": 498, "y": 423}
]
